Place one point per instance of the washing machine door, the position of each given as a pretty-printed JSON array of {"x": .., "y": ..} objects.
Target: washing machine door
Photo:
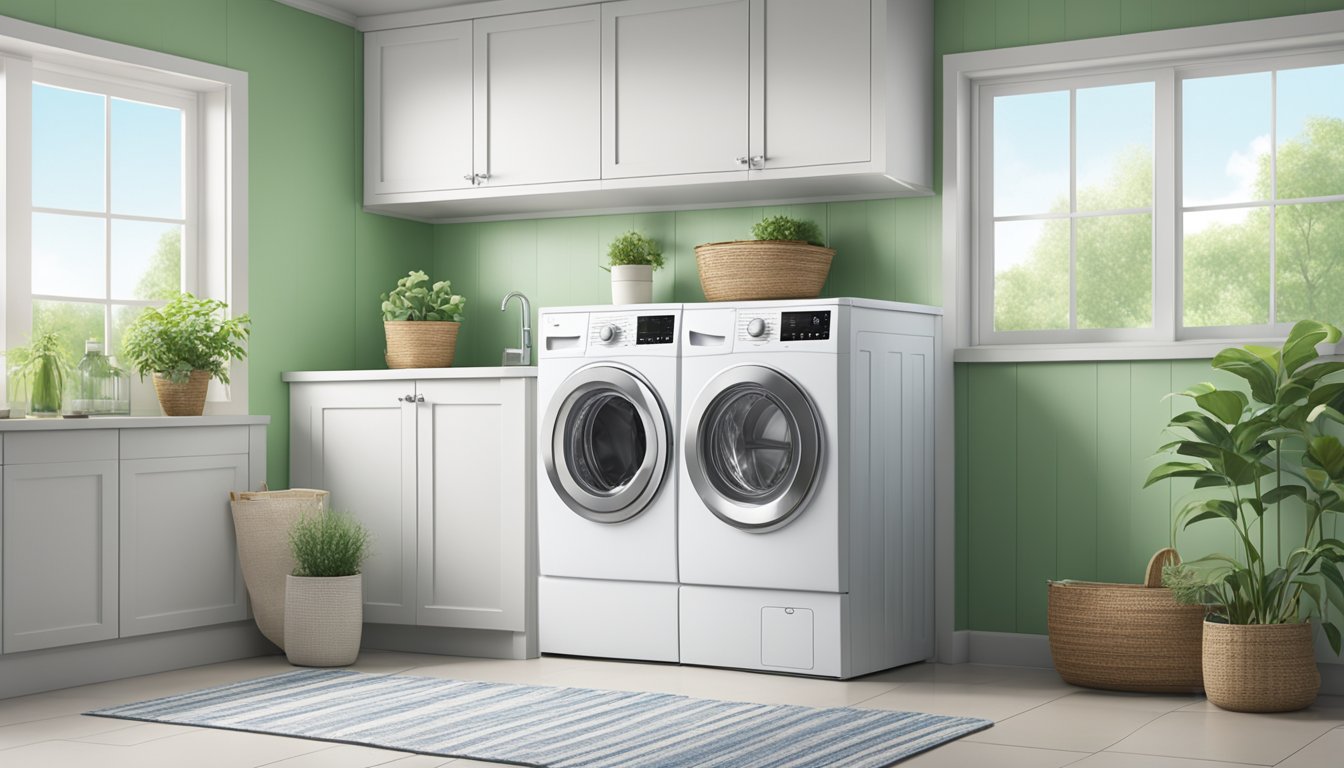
[
  {"x": 753, "y": 447},
  {"x": 606, "y": 443}
]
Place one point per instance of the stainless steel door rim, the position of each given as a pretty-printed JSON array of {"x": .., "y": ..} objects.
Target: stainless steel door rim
[
  {"x": 733, "y": 413},
  {"x": 568, "y": 424}
]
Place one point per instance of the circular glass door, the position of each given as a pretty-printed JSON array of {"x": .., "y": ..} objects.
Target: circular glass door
[
  {"x": 753, "y": 448},
  {"x": 608, "y": 449}
]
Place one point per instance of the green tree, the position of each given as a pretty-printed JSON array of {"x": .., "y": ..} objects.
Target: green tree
[{"x": 162, "y": 279}]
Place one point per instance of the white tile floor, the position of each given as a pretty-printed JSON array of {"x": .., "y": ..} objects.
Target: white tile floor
[{"x": 1040, "y": 721}]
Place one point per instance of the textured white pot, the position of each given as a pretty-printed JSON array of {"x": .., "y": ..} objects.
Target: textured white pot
[
  {"x": 632, "y": 284},
  {"x": 324, "y": 619}
]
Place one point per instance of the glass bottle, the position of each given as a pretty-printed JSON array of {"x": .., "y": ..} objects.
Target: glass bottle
[{"x": 102, "y": 387}]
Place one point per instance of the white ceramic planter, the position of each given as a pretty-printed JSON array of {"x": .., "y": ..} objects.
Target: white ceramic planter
[
  {"x": 632, "y": 284},
  {"x": 324, "y": 620}
]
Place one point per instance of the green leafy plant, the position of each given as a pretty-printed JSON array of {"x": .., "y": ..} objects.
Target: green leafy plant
[
  {"x": 43, "y": 368},
  {"x": 328, "y": 544},
  {"x": 1269, "y": 459},
  {"x": 787, "y": 228},
  {"x": 187, "y": 334},
  {"x": 632, "y": 248},
  {"x": 412, "y": 299}
]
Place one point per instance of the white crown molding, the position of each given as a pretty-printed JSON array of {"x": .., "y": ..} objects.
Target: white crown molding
[{"x": 318, "y": 9}]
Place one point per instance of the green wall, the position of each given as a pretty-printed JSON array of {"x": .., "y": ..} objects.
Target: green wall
[{"x": 317, "y": 262}]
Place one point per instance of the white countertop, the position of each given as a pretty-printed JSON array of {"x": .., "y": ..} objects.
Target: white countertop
[
  {"x": 405, "y": 374},
  {"x": 128, "y": 422}
]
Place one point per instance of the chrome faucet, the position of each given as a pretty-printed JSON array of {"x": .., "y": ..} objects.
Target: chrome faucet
[{"x": 522, "y": 355}]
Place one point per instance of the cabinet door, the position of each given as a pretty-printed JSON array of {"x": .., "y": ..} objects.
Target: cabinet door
[
  {"x": 60, "y": 554},
  {"x": 476, "y": 480},
  {"x": 357, "y": 440},
  {"x": 179, "y": 558},
  {"x": 538, "y": 96},
  {"x": 811, "y": 92},
  {"x": 674, "y": 87},
  {"x": 417, "y": 109}
]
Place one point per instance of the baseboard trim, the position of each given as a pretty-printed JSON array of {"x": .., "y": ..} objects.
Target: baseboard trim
[
  {"x": 52, "y": 668},
  {"x": 446, "y": 641},
  {"x": 1013, "y": 649}
]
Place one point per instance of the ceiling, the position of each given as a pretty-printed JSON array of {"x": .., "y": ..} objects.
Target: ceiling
[{"x": 347, "y": 11}]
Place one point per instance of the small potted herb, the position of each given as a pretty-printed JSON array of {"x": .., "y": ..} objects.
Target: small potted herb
[
  {"x": 420, "y": 322},
  {"x": 633, "y": 258},
  {"x": 785, "y": 260},
  {"x": 185, "y": 344},
  {"x": 324, "y": 597}
]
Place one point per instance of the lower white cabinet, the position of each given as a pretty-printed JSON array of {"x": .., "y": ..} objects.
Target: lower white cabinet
[
  {"x": 113, "y": 533},
  {"x": 441, "y": 472}
]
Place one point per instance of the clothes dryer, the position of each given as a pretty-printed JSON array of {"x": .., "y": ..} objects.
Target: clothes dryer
[
  {"x": 607, "y": 389},
  {"x": 806, "y": 510}
]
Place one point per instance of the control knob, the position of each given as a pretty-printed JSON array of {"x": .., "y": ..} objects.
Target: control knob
[
  {"x": 756, "y": 328},
  {"x": 608, "y": 333}
]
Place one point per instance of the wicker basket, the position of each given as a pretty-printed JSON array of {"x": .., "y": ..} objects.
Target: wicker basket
[
  {"x": 261, "y": 523},
  {"x": 748, "y": 270},
  {"x": 1260, "y": 667},
  {"x": 186, "y": 398},
  {"x": 1126, "y": 637},
  {"x": 324, "y": 620},
  {"x": 420, "y": 343}
]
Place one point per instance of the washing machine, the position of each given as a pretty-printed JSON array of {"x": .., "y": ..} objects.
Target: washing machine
[
  {"x": 805, "y": 520},
  {"x": 607, "y": 384}
]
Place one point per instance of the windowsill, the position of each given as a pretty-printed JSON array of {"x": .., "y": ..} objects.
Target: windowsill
[{"x": 1200, "y": 349}]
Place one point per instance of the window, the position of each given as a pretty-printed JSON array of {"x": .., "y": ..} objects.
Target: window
[
  {"x": 124, "y": 176},
  {"x": 1200, "y": 197}
]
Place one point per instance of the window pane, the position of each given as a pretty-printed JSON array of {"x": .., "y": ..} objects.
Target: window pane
[
  {"x": 68, "y": 147},
  {"x": 146, "y": 260},
  {"x": 1225, "y": 139},
  {"x": 146, "y": 159},
  {"x": 1115, "y": 147},
  {"x": 1031, "y": 153},
  {"x": 1225, "y": 268},
  {"x": 1309, "y": 262},
  {"x": 73, "y": 321},
  {"x": 68, "y": 256},
  {"x": 1115, "y": 271},
  {"x": 1311, "y": 132},
  {"x": 122, "y": 316},
  {"x": 1031, "y": 275}
]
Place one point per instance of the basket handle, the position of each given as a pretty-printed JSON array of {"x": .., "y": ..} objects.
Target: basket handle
[{"x": 1163, "y": 556}]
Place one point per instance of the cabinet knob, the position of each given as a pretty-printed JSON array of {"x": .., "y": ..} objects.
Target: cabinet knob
[
  {"x": 471, "y": 177},
  {"x": 482, "y": 177},
  {"x": 418, "y": 398},
  {"x": 743, "y": 160},
  {"x": 756, "y": 161}
]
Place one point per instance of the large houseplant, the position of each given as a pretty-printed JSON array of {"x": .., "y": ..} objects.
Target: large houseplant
[
  {"x": 184, "y": 344},
  {"x": 785, "y": 260},
  {"x": 1273, "y": 467},
  {"x": 420, "y": 322},
  {"x": 41, "y": 368},
  {"x": 633, "y": 258},
  {"x": 324, "y": 597}
]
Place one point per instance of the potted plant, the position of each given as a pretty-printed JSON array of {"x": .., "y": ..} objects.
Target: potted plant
[
  {"x": 786, "y": 260},
  {"x": 420, "y": 322},
  {"x": 184, "y": 344},
  {"x": 1269, "y": 460},
  {"x": 324, "y": 597},
  {"x": 41, "y": 368},
  {"x": 633, "y": 258}
]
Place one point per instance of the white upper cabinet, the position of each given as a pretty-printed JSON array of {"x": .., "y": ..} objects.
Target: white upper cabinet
[
  {"x": 417, "y": 109},
  {"x": 811, "y": 83},
  {"x": 675, "y": 88},
  {"x": 537, "y": 95}
]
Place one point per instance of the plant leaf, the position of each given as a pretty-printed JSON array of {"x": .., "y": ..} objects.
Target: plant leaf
[
  {"x": 1177, "y": 469},
  {"x": 1250, "y": 367},
  {"x": 1226, "y": 405},
  {"x": 1300, "y": 347},
  {"x": 1332, "y": 634}
]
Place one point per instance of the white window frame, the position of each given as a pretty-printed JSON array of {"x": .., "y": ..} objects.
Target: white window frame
[
  {"x": 1278, "y": 43},
  {"x": 215, "y": 248}
]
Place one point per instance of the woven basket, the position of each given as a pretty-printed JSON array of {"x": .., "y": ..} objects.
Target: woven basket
[
  {"x": 420, "y": 343},
  {"x": 1260, "y": 667},
  {"x": 324, "y": 619},
  {"x": 749, "y": 270},
  {"x": 186, "y": 398},
  {"x": 261, "y": 523},
  {"x": 1126, "y": 637}
]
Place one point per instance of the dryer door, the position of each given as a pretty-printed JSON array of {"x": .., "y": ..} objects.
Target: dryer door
[
  {"x": 753, "y": 447},
  {"x": 606, "y": 443}
]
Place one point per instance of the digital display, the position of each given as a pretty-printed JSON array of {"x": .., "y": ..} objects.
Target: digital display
[
  {"x": 804, "y": 326},
  {"x": 656, "y": 329}
]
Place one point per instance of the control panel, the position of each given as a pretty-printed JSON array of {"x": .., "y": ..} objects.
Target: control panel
[
  {"x": 656, "y": 329},
  {"x": 805, "y": 326},
  {"x": 612, "y": 331}
]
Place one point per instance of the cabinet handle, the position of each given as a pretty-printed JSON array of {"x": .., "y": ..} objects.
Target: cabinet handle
[
  {"x": 480, "y": 177},
  {"x": 757, "y": 161},
  {"x": 406, "y": 399},
  {"x": 418, "y": 398},
  {"x": 470, "y": 177},
  {"x": 743, "y": 160}
]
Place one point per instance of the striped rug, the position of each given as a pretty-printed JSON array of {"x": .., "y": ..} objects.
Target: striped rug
[{"x": 556, "y": 727}]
